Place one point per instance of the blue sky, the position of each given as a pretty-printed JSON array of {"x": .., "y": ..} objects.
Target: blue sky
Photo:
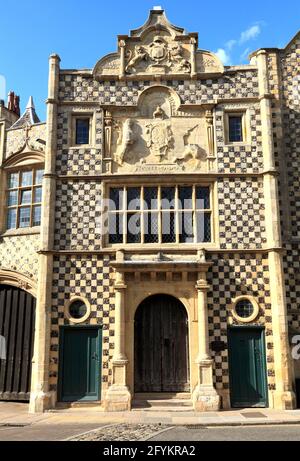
[{"x": 83, "y": 31}]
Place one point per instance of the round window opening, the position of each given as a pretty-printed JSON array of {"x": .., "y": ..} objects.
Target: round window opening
[
  {"x": 244, "y": 308},
  {"x": 77, "y": 309}
]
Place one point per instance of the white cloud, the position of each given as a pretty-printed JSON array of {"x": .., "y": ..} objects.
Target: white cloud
[
  {"x": 223, "y": 56},
  {"x": 230, "y": 44},
  {"x": 245, "y": 54},
  {"x": 250, "y": 33}
]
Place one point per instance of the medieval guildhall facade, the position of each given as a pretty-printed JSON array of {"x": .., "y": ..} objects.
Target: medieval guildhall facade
[{"x": 149, "y": 240}]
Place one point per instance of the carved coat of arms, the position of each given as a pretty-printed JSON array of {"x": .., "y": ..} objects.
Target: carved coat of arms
[
  {"x": 159, "y": 135},
  {"x": 158, "y": 49}
]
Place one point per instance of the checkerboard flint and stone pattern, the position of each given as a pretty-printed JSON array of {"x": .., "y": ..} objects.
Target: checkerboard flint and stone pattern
[
  {"x": 229, "y": 277},
  {"x": 290, "y": 67},
  {"x": 291, "y": 265},
  {"x": 90, "y": 277},
  {"x": 241, "y": 213},
  {"x": 240, "y": 159},
  {"x": 78, "y": 215},
  {"x": 78, "y": 161},
  {"x": 78, "y": 88}
]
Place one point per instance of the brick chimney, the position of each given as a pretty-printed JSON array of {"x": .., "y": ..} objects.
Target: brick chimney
[{"x": 13, "y": 103}]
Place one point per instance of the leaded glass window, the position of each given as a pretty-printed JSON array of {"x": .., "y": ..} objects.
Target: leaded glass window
[
  {"x": 235, "y": 127},
  {"x": 24, "y": 198},
  {"x": 159, "y": 214}
]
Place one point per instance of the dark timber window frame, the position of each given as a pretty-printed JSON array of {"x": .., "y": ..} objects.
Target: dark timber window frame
[{"x": 123, "y": 211}]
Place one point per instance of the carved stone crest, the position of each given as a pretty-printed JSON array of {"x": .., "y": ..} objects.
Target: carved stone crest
[
  {"x": 158, "y": 49},
  {"x": 160, "y": 55},
  {"x": 159, "y": 135}
]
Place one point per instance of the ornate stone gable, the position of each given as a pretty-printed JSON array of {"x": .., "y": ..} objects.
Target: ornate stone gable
[{"x": 156, "y": 49}]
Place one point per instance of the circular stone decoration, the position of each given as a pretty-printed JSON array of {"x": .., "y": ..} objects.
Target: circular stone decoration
[
  {"x": 78, "y": 310},
  {"x": 245, "y": 309}
]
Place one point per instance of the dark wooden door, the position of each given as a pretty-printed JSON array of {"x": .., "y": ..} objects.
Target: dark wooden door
[
  {"x": 17, "y": 319},
  {"x": 161, "y": 346},
  {"x": 247, "y": 367},
  {"x": 80, "y": 363}
]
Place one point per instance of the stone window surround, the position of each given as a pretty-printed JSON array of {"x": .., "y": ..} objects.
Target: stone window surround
[
  {"x": 244, "y": 113},
  {"x": 67, "y": 309},
  {"x": 164, "y": 181},
  {"x": 254, "y": 303},
  {"x": 72, "y": 117}
]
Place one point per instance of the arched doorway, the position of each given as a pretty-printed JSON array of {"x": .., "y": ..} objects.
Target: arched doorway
[
  {"x": 161, "y": 346},
  {"x": 17, "y": 320}
]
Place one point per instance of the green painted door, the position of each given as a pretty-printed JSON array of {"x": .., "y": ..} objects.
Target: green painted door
[
  {"x": 247, "y": 367},
  {"x": 80, "y": 363}
]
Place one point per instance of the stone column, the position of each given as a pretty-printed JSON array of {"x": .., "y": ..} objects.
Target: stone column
[
  {"x": 193, "y": 43},
  {"x": 284, "y": 397},
  {"x": 118, "y": 397},
  {"x": 41, "y": 398},
  {"x": 205, "y": 397},
  {"x": 122, "y": 46}
]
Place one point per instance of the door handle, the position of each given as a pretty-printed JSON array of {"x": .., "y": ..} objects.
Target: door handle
[{"x": 94, "y": 356}]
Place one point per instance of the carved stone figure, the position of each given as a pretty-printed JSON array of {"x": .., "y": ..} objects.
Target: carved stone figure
[
  {"x": 125, "y": 140},
  {"x": 140, "y": 54},
  {"x": 176, "y": 58},
  {"x": 159, "y": 135}
]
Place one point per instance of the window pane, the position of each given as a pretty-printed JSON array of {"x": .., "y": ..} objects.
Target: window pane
[
  {"x": 37, "y": 212},
  {"x": 24, "y": 217},
  {"x": 82, "y": 131},
  {"x": 12, "y": 198},
  {"x": 39, "y": 176},
  {"x": 244, "y": 308},
  {"x": 235, "y": 129},
  {"x": 25, "y": 197},
  {"x": 151, "y": 228},
  {"x": 133, "y": 198},
  {"x": 26, "y": 178},
  {"x": 185, "y": 196},
  {"x": 186, "y": 231},
  {"x": 168, "y": 227},
  {"x": 12, "y": 218},
  {"x": 116, "y": 195},
  {"x": 202, "y": 198},
  {"x": 150, "y": 198},
  {"x": 203, "y": 227},
  {"x": 13, "y": 180},
  {"x": 77, "y": 309},
  {"x": 133, "y": 228},
  {"x": 168, "y": 198},
  {"x": 115, "y": 226},
  {"x": 38, "y": 195}
]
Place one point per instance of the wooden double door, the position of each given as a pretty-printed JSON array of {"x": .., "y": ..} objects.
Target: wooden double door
[
  {"x": 161, "y": 346},
  {"x": 17, "y": 320}
]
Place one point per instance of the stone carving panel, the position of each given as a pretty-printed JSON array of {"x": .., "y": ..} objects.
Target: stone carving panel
[
  {"x": 161, "y": 141},
  {"x": 159, "y": 54}
]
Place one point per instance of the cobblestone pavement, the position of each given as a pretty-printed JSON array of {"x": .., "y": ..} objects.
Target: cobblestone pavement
[{"x": 122, "y": 432}]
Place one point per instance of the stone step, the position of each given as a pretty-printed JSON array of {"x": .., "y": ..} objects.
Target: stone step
[
  {"x": 162, "y": 396},
  {"x": 163, "y": 405}
]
